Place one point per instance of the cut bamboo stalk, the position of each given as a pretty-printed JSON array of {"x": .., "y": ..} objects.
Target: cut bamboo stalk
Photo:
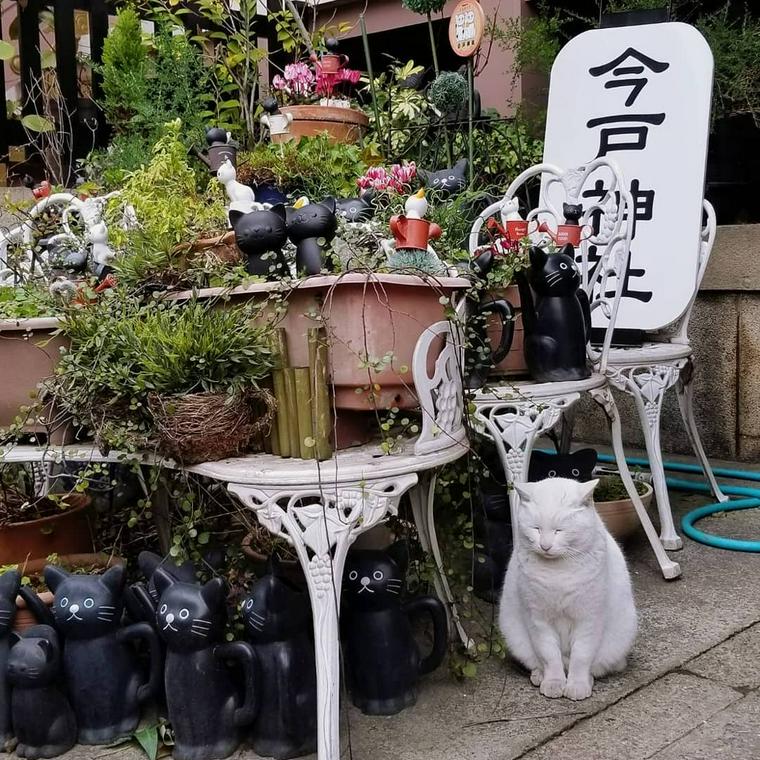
[
  {"x": 281, "y": 420},
  {"x": 320, "y": 395},
  {"x": 304, "y": 409},
  {"x": 290, "y": 400},
  {"x": 280, "y": 347}
]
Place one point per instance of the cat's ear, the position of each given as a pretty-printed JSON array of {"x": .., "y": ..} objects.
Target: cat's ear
[
  {"x": 279, "y": 209},
  {"x": 214, "y": 592},
  {"x": 10, "y": 583},
  {"x": 569, "y": 250},
  {"x": 235, "y": 216},
  {"x": 14, "y": 638},
  {"x": 329, "y": 204},
  {"x": 46, "y": 647},
  {"x": 584, "y": 459},
  {"x": 538, "y": 257},
  {"x": 586, "y": 491},
  {"x": 368, "y": 195},
  {"x": 162, "y": 580},
  {"x": 461, "y": 165},
  {"x": 424, "y": 175},
  {"x": 524, "y": 491},
  {"x": 148, "y": 562},
  {"x": 114, "y": 579},
  {"x": 399, "y": 553},
  {"x": 54, "y": 576}
]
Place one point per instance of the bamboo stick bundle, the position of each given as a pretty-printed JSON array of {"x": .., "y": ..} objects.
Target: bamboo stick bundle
[
  {"x": 280, "y": 349},
  {"x": 320, "y": 395}
]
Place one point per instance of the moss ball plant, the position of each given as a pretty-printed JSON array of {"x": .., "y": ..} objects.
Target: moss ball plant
[{"x": 448, "y": 91}]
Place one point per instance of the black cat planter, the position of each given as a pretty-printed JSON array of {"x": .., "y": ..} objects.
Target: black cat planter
[
  {"x": 311, "y": 227},
  {"x": 43, "y": 719},
  {"x": 102, "y": 669},
  {"x": 359, "y": 209},
  {"x": 204, "y": 703},
  {"x": 260, "y": 235},
  {"x": 446, "y": 182},
  {"x": 278, "y": 625},
  {"x": 556, "y": 317},
  {"x": 10, "y": 582},
  {"x": 383, "y": 663}
]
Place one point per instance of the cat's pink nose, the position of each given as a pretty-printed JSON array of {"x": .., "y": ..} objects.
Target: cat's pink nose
[{"x": 545, "y": 545}]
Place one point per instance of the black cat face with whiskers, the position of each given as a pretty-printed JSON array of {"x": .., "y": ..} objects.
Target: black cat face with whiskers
[
  {"x": 189, "y": 616},
  {"x": 374, "y": 579},
  {"x": 86, "y": 606}
]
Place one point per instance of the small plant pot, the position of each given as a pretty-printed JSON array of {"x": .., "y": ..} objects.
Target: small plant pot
[
  {"x": 620, "y": 516},
  {"x": 341, "y": 125},
  {"x": 24, "y": 616},
  {"x": 66, "y": 533},
  {"x": 290, "y": 568},
  {"x": 513, "y": 364}
]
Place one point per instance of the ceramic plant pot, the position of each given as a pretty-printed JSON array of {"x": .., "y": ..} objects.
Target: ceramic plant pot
[
  {"x": 620, "y": 516},
  {"x": 29, "y": 352},
  {"x": 67, "y": 532},
  {"x": 342, "y": 125}
]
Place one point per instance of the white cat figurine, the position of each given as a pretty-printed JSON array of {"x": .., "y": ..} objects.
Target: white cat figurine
[
  {"x": 567, "y": 611},
  {"x": 241, "y": 197}
]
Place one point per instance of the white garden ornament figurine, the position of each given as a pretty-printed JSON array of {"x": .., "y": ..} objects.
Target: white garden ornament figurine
[
  {"x": 278, "y": 124},
  {"x": 241, "y": 197}
]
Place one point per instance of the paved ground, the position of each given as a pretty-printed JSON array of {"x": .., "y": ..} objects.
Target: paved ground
[{"x": 691, "y": 692}]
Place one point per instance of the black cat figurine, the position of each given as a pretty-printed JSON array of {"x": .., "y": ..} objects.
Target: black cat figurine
[
  {"x": 101, "y": 666},
  {"x": 382, "y": 660},
  {"x": 573, "y": 212},
  {"x": 359, "y": 209},
  {"x": 10, "y": 582},
  {"x": 557, "y": 321},
  {"x": 260, "y": 235},
  {"x": 43, "y": 719},
  {"x": 446, "y": 182},
  {"x": 311, "y": 228},
  {"x": 576, "y": 466},
  {"x": 202, "y": 697},
  {"x": 278, "y": 623}
]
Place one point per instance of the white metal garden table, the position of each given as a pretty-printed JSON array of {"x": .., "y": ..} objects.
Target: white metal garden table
[{"x": 320, "y": 508}]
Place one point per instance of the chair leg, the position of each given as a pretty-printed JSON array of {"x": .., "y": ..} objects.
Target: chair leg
[
  {"x": 647, "y": 385},
  {"x": 603, "y": 396},
  {"x": 685, "y": 391},
  {"x": 422, "y": 501}
]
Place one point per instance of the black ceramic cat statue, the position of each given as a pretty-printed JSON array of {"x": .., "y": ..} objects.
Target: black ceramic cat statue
[
  {"x": 311, "y": 227},
  {"x": 446, "y": 182},
  {"x": 100, "y": 663},
  {"x": 556, "y": 317},
  {"x": 10, "y": 582},
  {"x": 202, "y": 696},
  {"x": 359, "y": 209},
  {"x": 43, "y": 719},
  {"x": 260, "y": 235},
  {"x": 383, "y": 663},
  {"x": 278, "y": 623},
  {"x": 573, "y": 212},
  {"x": 579, "y": 465}
]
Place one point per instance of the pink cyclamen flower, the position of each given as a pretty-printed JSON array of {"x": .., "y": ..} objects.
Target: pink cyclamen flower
[
  {"x": 279, "y": 83},
  {"x": 351, "y": 76},
  {"x": 376, "y": 177},
  {"x": 299, "y": 78},
  {"x": 404, "y": 173}
]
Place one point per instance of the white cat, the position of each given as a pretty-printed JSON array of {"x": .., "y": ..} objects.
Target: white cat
[{"x": 567, "y": 611}]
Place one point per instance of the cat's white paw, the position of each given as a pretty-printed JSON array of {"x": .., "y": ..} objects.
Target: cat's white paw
[
  {"x": 578, "y": 688},
  {"x": 552, "y": 687},
  {"x": 536, "y": 676}
]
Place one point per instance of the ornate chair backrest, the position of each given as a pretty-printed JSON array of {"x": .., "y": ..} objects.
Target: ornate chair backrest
[
  {"x": 677, "y": 332},
  {"x": 440, "y": 393},
  {"x": 603, "y": 253}
]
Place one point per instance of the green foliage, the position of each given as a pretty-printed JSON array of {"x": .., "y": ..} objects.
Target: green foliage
[
  {"x": 612, "y": 488},
  {"x": 312, "y": 166},
  {"x": 448, "y": 91},
  {"x": 735, "y": 44},
  {"x": 534, "y": 42},
  {"x": 618, "y": 6},
  {"x": 423, "y": 7},
  {"x": 109, "y": 167},
  {"x": 122, "y": 350},
  {"x": 403, "y": 113},
  {"x": 27, "y": 301}
]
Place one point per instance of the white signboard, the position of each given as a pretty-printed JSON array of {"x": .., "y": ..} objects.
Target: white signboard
[{"x": 640, "y": 96}]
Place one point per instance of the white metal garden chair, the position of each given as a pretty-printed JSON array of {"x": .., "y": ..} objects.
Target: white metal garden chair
[
  {"x": 515, "y": 415},
  {"x": 648, "y": 371}
]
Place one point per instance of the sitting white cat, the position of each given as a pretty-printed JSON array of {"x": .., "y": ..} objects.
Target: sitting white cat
[{"x": 567, "y": 611}]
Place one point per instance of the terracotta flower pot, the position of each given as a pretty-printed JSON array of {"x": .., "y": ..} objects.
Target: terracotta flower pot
[
  {"x": 620, "y": 516},
  {"x": 65, "y": 533},
  {"x": 513, "y": 364},
  {"x": 342, "y": 125},
  {"x": 24, "y": 617},
  {"x": 29, "y": 353}
]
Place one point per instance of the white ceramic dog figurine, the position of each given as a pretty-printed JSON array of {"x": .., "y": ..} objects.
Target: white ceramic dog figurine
[{"x": 567, "y": 611}]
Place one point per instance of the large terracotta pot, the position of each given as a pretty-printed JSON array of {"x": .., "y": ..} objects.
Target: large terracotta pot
[
  {"x": 620, "y": 516},
  {"x": 29, "y": 353},
  {"x": 513, "y": 364},
  {"x": 67, "y": 532},
  {"x": 365, "y": 316},
  {"x": 342, "y": 125}
]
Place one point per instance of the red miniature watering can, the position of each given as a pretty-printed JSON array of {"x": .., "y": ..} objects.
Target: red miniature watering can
[
  {"x": 413, "y": 233},
  {"x": 566, "y": 233}
]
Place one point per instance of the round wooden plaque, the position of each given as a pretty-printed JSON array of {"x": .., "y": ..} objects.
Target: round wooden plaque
[{"x": 466, "y": 28}]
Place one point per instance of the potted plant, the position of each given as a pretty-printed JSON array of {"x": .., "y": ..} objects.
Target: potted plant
[
  {"x": 615, "y": 506},
  {"x": 33, "y": 526}
]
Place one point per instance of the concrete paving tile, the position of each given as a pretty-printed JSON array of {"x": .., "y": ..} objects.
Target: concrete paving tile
[
  {"x": 735, "y": 663},
  {"x": 731, "y": 734},
  {"x": 643, "y": 723}
]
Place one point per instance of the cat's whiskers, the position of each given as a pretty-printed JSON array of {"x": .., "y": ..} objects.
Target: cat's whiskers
[{"x": 257, "y": 616}]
